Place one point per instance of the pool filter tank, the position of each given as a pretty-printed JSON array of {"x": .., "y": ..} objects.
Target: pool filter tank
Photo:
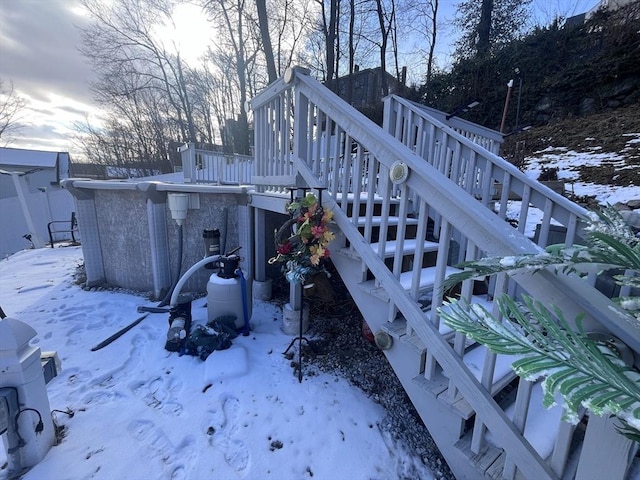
[{"x": 228, "y": 295}]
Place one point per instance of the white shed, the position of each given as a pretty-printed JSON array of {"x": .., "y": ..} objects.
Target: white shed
[
  {"x": 39, "y": 169},
  {"x": 31, "y": 196}
]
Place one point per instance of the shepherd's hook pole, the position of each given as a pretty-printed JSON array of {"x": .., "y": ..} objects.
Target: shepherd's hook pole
[{"x": 506, "y": 105}]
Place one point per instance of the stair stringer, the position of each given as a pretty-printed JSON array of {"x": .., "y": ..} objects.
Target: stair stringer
[{"x": 444, "y": 425}]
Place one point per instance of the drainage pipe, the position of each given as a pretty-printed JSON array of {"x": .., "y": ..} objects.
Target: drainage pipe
[
  {"x": 245, "y": 309},
  {"x": 187, "y": 275},
  {"x": 165, "y": 300}
]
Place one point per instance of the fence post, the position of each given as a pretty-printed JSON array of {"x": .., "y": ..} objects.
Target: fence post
[{"x": 188, "y": 155}]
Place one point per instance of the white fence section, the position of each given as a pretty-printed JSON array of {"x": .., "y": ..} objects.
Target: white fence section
[
  {"x": 205, "y": 166},
  {"x": 44, "y": 207}
]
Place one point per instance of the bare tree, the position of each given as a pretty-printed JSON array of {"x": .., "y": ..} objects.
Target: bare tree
[
  {"x": 425, "y": 13},
  {"x": 329, "y": 26},
  {"x": 12, "y": 107},
  {"x": 121, "y": 41},
  {"x": 386, "y": 12},
  {"x": 241, "y": 37},
  {"x": 488, "y": 24},
  {"x": 292, "y": 24}
]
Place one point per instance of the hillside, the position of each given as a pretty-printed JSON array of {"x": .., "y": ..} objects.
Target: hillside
[{"x": 616, "y": 133}]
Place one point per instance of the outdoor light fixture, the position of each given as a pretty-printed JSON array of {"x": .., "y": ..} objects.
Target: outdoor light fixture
[
  {"x": 463, "y": 109},
  {"x": 398, "y": 173}
]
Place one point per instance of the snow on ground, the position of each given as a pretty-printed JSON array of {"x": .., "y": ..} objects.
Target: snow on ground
[
  {"x": 568, "y": 163},
  {"x": 141, "y": 412}
]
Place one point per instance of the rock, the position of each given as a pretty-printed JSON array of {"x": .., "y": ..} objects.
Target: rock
[
  {"x": 587, "y": 106},
  {"x": 543, "y": 105},
  {"x": 632, "y": 217}
]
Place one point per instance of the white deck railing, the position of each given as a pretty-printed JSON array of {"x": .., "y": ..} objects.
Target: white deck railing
[
  {"x": 305, "y": 134},
  {"x": 206, "y": 166},
  {"x": 497, "y": 183}
]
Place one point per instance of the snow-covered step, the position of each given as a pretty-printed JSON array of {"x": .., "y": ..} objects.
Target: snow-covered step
[
  {"x": 434, "y": 387},
  {"x": 390, "y": 247},
  {"x": 364, "y": 197},
  {"x": 541, "y": 428},
  {"x": 482, "y": 300},
  {"x": 391, "y": 221},
  {"x": 474, "y": 359},
  {"x": 427, "y": 279}
]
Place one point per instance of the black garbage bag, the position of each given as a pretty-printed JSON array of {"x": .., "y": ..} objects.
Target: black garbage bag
[{"x": 216, "y": 335}]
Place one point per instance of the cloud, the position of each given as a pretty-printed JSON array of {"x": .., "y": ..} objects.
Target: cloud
[{"x": 39, "y": 54}]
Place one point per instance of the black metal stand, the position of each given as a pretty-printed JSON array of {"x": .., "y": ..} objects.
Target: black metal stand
[{"x": 300, "y": 338}]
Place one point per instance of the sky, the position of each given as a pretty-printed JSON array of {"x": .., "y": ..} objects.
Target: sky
[
  {"x": 241, "y": 414},
  {"x": 39, "y": 55}
]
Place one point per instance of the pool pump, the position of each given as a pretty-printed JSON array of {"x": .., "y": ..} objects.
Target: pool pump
[{"x": 179, "y": 324}]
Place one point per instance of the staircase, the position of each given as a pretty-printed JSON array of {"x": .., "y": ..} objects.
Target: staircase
[{"x": 411, "y": 200}]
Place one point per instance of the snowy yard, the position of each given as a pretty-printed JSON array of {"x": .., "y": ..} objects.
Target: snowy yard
[{"x": 141, "y": 412}]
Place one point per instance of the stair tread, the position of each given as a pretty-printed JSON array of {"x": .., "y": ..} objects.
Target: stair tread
[
  {"x": 474, "y": 360},
  {"x": 482, "y": 460},
  {"x": 427, "y": 279},
  {"x": 542, "y": 424},
  {"x": 391, "y": 221},
  {"x": 482, "y": 300},
  {"x": 390, "y": 247},
  {"x": 408, "y": 247},
  {"x": 363, "y": 198},
  {"x": 434, "y": 386},
  {"x": 396, "y": 329}
]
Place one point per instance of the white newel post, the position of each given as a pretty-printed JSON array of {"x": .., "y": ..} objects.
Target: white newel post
[{"x": 23, "y": 394}]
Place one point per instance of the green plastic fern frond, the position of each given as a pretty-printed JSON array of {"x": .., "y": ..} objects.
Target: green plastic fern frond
[{"x": 585, "y": 373}]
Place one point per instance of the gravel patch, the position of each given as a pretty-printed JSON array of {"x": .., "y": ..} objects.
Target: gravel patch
[{"x": 337, "y": 345}]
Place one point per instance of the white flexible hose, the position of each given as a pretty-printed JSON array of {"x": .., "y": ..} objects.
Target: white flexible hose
[{"x": 187, "y": 274}]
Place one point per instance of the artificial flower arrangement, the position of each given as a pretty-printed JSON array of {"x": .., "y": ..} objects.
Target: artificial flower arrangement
[{"x": 301, "y": 253}]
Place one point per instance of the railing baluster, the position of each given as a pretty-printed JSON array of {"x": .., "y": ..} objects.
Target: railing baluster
[
  {"x": 543, "y": 239},
  {"x": 357, "y": 175},
  {"x": 521, "y": 410},
  {"x": 504, "y": 195},
  {"x": 398, "y": 255},
  {"x": 373, "y": 166},
  {"x": 327, "y": 151},
  {"x": 345, "y": 175},
  {"x": 524, "y": 209},
  {"x": 436, "y": 295},
  {"x": 283, "y": 129}
]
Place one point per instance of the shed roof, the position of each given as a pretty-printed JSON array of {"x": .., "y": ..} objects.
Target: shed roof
[{"x": 18, "y": 157}]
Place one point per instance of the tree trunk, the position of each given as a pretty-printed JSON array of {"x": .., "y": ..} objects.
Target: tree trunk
[
  {"x": 261, "y": 6},
  {"x": 331, "y": 41},
  {"x": 432, "y": 46},
  {"x": 352, "y": 49},
  {"x": 484, "y": 29}
]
